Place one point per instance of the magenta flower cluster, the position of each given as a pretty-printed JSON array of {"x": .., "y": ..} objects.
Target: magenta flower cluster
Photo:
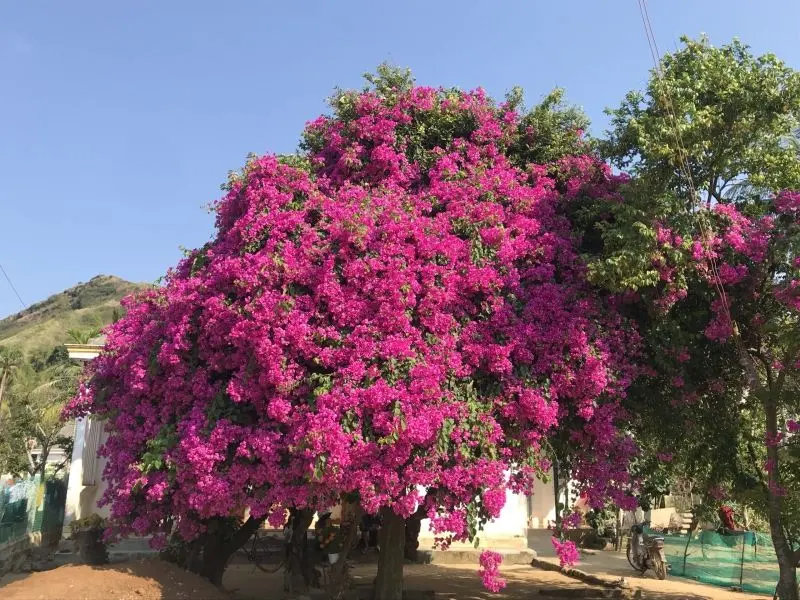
[
  {"x": 490, "y": 571},
  {"x": 375, "y": 325},
  {"x": 566, "y": 551},
  {"x": 733, "y": 255}
]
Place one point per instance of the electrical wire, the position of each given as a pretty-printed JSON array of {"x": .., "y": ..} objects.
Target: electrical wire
[
  {"x": 683, "y": 160},
  {"x": 11, "y": 283}
]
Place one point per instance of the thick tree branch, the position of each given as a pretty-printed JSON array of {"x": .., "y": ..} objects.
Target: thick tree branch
[
  {"x": 754, "y": 457},
  {"x": 725, "y": 183},
  {"x": 767, "y": 363},
  {"x": 31, "y": 462},
  {"x": 786, "y": 367},
  {"x": 749, "y": 366},
  {"x": 714, "y": 190},
  {"x": 243, "y": 534}
]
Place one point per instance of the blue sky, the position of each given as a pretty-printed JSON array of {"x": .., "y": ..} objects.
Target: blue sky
[{"x": 119, "y": 120}]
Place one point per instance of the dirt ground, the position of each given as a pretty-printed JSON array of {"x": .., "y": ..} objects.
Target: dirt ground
[
  {"x": 156, "y": 580},
  {"x": 141, "y": 580},
  {"x": 461, "y": 582}
]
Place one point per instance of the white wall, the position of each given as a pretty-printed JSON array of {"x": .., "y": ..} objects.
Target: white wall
[
  {"x": 510, "y": 529},
  {"x": 82, "y": 499},
  {"x": 542, "y": 505}
]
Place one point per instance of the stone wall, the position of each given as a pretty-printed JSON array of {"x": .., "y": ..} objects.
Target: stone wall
[{"x": 19, "y": 555}]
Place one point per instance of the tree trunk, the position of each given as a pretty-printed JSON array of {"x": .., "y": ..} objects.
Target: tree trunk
[
  {"x": 214, "y": 559},
  {"x": 787, "y": 561},
  {"x": 42, "y": 461},
  {"x": 298, "y": 575},
  {"x": 339, "y": 579},
  {"x": 787, "y": 582},
  {"x": 219, "y": 544},
  {"x": 389, "y": 583},
  {"x": 3, "y": 381},
  {"x": 557, "y": 492},
  {"x": 413, "y": 526}
]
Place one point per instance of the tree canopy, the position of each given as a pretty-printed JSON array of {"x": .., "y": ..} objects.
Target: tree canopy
[
  {"x": 401, "y": 306},
  {"x": 35, "y": 392},
  {"x": 711, "y": 277},
  {"x": 728, "y": 115}
]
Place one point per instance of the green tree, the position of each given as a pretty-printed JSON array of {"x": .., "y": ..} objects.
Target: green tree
[
  {"x": 10, "y": 361},
  {"x": 716, "y": 119},
  {"x": 722, "y": 389},
  {"x": 553, "y": 129},
  {"x": 35, "y": 391},
  {"x": 36, "y": 401},
  {"x": 84, "y": 336}
]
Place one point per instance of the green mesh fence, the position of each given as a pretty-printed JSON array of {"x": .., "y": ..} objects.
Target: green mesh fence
[
  {"x": 30, "y": 506},
  {"x": 746, "y": 560}
]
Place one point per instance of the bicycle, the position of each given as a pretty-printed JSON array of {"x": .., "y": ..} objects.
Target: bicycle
[{"x": 263, "y": 545}]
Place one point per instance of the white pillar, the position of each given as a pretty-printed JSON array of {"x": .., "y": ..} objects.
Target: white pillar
[
  {"x": 72, "y": 511},
  {"x": 542, "y": 504}
]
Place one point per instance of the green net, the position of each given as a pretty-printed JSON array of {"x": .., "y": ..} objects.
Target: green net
[
  {"x": 30, "y": 506},
  {"x": 744, "y": 560},
  {"x": 17, "y": 501}
]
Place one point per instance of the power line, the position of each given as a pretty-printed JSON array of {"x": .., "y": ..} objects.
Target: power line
[
  {"x": 683, "y": 159},
  {"x": 11, "y": 283}
]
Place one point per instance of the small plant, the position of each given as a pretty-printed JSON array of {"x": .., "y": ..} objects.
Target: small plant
[
  {"x": 92, "y": 522},
  {"x": 331, "y": 540},
  {"x": 88, "y": 535}
]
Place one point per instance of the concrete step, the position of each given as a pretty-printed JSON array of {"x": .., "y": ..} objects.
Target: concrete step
[
  {"x": 590, "y": 593},
  {"x": 471, "y": 556},
  {"x": 485, "y": 542},
  {"x": 124, "y": 550}
]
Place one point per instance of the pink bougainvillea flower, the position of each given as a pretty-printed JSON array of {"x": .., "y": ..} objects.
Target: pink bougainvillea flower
[
  {"x": 566, "y": 551},
  {"x": 490, "y": 571}
]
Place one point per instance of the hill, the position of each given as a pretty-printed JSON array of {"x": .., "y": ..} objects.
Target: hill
[{"x": 45, "y": 324}]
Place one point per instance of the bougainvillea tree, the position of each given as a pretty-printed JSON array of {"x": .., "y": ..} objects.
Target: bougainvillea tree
[{"x": 402, "y": 307}]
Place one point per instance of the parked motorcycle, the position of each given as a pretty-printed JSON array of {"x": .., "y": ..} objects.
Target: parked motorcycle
[{"x": 646, "y": 551}]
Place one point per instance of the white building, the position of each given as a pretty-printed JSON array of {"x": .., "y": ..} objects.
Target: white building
[{"x": 521, "y": 517}]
